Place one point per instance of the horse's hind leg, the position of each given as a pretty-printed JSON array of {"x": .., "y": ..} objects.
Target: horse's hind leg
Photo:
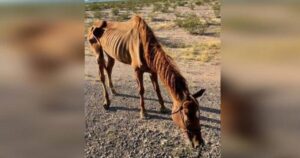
[
  {"x": 155, "y": 84},
  {"x": 109, "y": 67},
  {"x": 139, "y": 78},
  {"x": 101, "y": 64}
]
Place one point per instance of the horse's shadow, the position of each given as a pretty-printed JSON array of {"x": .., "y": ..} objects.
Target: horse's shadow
[
  {"x": 155, "y": 114},
  {"x": 152, "y": 114},
  {"x": 137, "y": 97}
]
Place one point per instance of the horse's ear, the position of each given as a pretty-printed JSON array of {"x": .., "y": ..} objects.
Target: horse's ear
[{"x": 199, "y": 93}]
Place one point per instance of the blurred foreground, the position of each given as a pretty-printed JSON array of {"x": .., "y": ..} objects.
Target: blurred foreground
[
  {"x": 41, "y": 76},
  {"x": 260, "y": 79}
]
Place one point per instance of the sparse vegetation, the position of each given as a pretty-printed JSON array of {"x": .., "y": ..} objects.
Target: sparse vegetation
[
  {"x": 165, "y": 8},
  {"x": 217, "y": 9},
  {"x": 199, "y": 2},
  {"x": 181, "y": 3},
  {"x": 98, "y": 14},
  {"x": 164, "y": 26},
  {"x": 157, "y": 7},
  {"x": 191, "y": 6},
  {"x": 151, "y": 16},
  {"x": 203, "y": 52},
  {"x": 123, "y": 16},
  {"x": 115, "y": 11},
  {"x": 192, "y": 24}
]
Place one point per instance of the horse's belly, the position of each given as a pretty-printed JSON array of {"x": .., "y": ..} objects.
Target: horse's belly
[
  {"x": 117, "y": 49},
  {"x": 121, "y": 55}
]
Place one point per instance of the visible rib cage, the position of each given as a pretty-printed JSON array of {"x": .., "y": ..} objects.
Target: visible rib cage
[
  {"x": 116, "y": 44},
  {"x": 119, "y": 40}
]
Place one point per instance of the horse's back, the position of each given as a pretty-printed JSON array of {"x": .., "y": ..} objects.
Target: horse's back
[{"x": 122, "y": 44}]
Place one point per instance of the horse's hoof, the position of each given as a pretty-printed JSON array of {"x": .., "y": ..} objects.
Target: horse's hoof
[
  {"x": 106, "y": 106},
  {"x": 165, "y": 110},
  {"x": 144, "y": 115},
  {"x": 113, "y": 91}
]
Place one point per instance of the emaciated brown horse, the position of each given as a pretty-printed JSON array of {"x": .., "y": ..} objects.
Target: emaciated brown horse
[{"x": 134, "y": 43}]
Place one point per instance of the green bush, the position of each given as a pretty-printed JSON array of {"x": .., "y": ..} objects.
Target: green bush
[
  {"x": 115, "y": 11},
  {"x": 199, "y": 2},
  {"x": 193, "y": 24},
  {"x": 181, "y": 3},
  {"x": 174, "y": 6},
  {"x": 123, "y": 16},
  {"x": 98, "y": 14},
  {"x": 165, "y": 8},
  {"x": 157, "y": 7},
  {"x": 191, "y": 6}
]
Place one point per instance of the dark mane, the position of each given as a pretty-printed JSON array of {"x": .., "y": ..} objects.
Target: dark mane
[{"x": 161, "y": 63}]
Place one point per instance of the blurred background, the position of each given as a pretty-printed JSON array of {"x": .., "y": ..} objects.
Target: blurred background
[
  {"x": 260, "y": 78},
  {"x": 41, "y": 75}
]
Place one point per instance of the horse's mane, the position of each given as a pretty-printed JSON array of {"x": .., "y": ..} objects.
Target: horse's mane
[{"x": 161, "y": 63}]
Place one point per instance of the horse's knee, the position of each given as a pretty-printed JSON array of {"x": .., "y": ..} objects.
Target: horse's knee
[{"x": 102, "y": 78}]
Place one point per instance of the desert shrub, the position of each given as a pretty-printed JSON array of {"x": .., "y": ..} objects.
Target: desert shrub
[
  {"x": 213, "y": 21},
  {"x": 179, "y": 15},
  {"x": 217, "y": 9},
  {"x": 157, "y": 7},
  {"x": 193, "y": 24},
  {"x": 199, "y": 2},
  {"x": 98, "y": 14},
  {"x": 165, "y": 7},
  {"x": 115, "y": 11},
  {"x": 92, "y": 6},
  {"x": 191, "y": 6},
  {"x": 181, "y": 3},
  {"x": 151, "y": 16},
  {"x": 174, "y": 6},
  {"x": 131, "y": 5},
  {"x": 123, "y": 16}
]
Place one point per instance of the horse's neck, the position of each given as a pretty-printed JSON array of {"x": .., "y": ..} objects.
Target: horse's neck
[
  {"x": 177, "y": 97},
  {"x": 171, "y": 77}
]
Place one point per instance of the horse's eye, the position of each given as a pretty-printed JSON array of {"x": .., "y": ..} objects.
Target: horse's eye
[{"x": 187, "y": 122}]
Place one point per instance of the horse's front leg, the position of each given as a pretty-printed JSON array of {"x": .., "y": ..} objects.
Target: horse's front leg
[
  {"x": 155, "y": 84},
  {"x": 139, "y": 78},
  {"x": 101, "y": 64}
]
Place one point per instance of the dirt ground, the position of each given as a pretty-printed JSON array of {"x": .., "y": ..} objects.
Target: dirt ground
[{"x": 119, "y": 132}]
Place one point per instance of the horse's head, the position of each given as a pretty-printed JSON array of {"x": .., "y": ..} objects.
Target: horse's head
[{"x": 186, "y": 115}]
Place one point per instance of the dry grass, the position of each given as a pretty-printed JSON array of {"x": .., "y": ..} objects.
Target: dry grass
[
  {"x": 164, "y": 26},
  {"x": 192, "y": 23},
  {"x": 203, "y": 52}
]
